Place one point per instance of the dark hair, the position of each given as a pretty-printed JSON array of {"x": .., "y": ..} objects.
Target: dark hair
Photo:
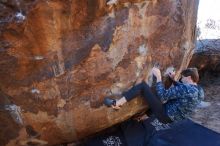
[{"x": 193, "y": 72}]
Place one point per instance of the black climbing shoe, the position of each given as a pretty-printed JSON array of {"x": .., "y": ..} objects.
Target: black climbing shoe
[{"x": 109, "y": 102}]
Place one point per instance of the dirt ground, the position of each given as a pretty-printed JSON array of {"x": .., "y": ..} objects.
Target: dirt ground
[{"x": 209, "y": 116}]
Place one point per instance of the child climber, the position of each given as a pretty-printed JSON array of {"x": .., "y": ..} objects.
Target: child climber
[{"x": 173, "y": 104}]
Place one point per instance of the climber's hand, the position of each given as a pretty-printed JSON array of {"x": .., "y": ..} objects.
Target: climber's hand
[
  {"x": 156, "y": 72},
  {"x": 170, "y": 72}
]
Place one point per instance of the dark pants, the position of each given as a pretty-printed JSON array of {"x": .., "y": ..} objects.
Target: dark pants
[{"x": 154, "y": 103}]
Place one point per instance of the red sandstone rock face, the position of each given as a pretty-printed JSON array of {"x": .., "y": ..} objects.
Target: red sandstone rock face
[{"x": 60, "y": 58}]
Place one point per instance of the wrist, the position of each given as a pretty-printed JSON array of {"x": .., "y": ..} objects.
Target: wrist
[{"x": 159, "y": 79}]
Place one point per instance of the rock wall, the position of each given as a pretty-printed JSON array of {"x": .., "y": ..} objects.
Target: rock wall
[{"x": 58, "y": 59}]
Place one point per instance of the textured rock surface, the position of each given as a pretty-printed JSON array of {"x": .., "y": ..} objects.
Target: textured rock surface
[{"x": 58, "y": 59}]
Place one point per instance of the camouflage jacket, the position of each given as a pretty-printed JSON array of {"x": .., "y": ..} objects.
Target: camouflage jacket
[{"x": 180, "y": 100}]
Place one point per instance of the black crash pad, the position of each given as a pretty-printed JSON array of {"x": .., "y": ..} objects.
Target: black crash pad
[
  {"x": 186, "y": 133},
  {"x": 133, "y": 133}
]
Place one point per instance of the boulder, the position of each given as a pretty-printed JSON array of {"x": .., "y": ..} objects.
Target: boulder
[
  {"x": 207, "y": 57},
  {"x": 59, "y": 59}
]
